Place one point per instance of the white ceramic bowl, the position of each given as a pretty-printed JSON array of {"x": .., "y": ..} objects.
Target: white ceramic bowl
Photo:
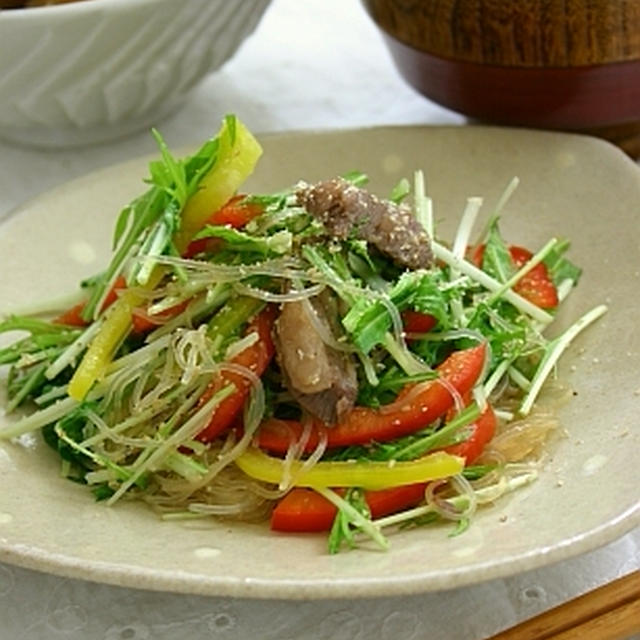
[{"x": 92, "y": 71}]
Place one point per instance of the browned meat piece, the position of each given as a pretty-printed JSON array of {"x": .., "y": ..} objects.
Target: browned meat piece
[
  {"x": 348, "y": 211},
  {"x": 320, "y": 378}
]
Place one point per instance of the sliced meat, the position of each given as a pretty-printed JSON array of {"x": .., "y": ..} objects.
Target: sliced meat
[
  {"x": 320, "y": 378},
  {"x": 348, "y": 211}
]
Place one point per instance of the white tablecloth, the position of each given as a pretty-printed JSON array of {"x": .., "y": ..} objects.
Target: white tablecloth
[{"x": 313, "y": 64}]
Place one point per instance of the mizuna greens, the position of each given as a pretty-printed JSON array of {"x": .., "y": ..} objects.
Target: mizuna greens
[{"x": 190, "y": 373}]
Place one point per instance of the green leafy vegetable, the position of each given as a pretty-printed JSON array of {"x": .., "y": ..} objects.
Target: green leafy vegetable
[
  {"x": 400, "y": 191},
  {"x": 369, "y": 319},
  {"x": 559, "y": 266},
  {"x": 497, "y": 260},
  {"x": 276, "y": 244},
  {"x": 344, "y": 527},
  {"x": 151, "y": 220}
]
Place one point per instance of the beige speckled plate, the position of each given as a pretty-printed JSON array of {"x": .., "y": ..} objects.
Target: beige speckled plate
[{"x": 587, "y": 494}]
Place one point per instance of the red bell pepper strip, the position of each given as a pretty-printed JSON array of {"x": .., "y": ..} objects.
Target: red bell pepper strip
[
  {"x": 416, "y": 408},
  {"x": 536, "y": 286},
  {"x": 73, "y": 316},
  {"x": 236, "y": 213},
  {"x": 304, "y": 510},
  {"x": 482, "y": 430},
  {"x": 256, "y": 358},
  {"x": 145, "y": 323},
  {"x": 417, "y": 322}
]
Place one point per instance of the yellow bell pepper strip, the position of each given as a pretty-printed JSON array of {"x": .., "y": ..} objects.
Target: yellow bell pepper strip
[
  {"x": 305, "y": 510},
  {"x": 367, "y": 475},
  {"x": 237, "y": 156},
  {"x": 115, "y": 327}
]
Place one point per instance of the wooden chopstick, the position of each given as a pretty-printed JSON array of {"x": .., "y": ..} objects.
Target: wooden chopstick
[{"x": 611, "y": 612}]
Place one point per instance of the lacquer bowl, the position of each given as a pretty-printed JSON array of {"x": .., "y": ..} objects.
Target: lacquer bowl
[{"x": 538, "y": 63}]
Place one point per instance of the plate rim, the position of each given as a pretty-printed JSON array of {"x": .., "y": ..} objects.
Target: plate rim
[{"x": 147, "y": 579}]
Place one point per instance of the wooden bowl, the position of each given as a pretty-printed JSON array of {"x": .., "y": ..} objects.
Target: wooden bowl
[{"x": 572, "y": 64}]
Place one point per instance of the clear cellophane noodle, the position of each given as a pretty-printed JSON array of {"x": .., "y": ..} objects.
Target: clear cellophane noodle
[
  {"x": 524, "y": 438},
  {"x": 230, "y": 494},
  {"x": 226, "y": 492},
  {"x": 518, "y": 446}
]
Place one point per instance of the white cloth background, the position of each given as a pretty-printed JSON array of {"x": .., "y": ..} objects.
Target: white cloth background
[{"x": 312, "y": 64}]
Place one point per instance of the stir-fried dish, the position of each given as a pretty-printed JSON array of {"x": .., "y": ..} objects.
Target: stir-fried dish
[{"x": 318, "y": 356}]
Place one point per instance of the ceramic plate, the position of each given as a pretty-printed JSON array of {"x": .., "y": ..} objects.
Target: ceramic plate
[{"x": 587, "y": 494}]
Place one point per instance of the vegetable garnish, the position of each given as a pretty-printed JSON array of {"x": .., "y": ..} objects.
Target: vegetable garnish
[
  {"x": 318, "y": 356},
  {"x": 367, "y": 475},
  {"x": 163, "y": 221}
]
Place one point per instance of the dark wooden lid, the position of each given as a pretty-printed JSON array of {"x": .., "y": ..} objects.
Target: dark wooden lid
[{"x": 529, "y": 33}]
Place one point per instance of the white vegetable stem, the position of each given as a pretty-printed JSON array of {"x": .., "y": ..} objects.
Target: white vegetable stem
[
  {"x": 52, "y": 413},
  {"x": 423, "y": 203},
  {"x": 408, "y": 361},
  {"x": 555, "y": 350},
  {"x": 368, "y": 527},
  {"x": 493, "y": 285},
  {"x": 506, "y": 194},
  {"x": 461, "y": 501},
  {"x": 460, "y": 244},
  {"x": 190, "y": 428},
  {"x": 502, "y": 201},
  {"x": 461, "y": 241},
  {"x": 528, "y": 266}
]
